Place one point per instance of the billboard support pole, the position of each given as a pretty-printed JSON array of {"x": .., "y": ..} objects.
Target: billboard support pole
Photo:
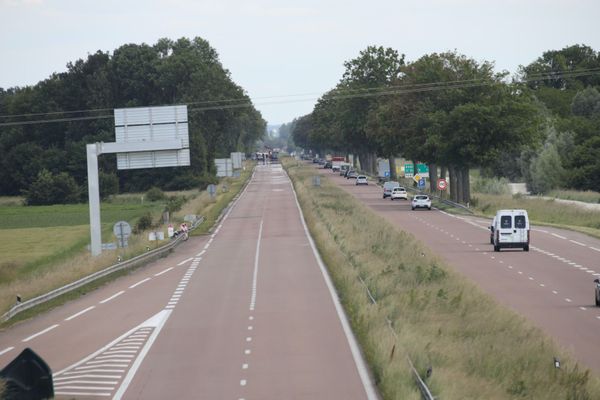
[{"x": 94, "y": 198}]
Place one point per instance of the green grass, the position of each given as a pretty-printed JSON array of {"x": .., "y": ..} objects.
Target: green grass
[
  {"x": 477, "y": 349},
  {"x": 588, "y": 196},
  {"x": 14, "y": 217}
]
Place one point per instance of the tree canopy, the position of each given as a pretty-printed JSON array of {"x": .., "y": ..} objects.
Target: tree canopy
[{"x": 169, "y": 72}]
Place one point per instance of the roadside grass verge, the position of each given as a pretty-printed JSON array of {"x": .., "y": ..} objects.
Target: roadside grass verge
[
  {"x": 49, "y": 267},
  {"x": 587, "y": 196},
  {"x": 541, "y": 211},
  {"x": 476, "y": 348}
]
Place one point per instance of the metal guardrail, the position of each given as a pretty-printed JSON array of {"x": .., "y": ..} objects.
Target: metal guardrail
[
  {"x": 135, "y": 261},
  {"x": 423, "y": 388}
]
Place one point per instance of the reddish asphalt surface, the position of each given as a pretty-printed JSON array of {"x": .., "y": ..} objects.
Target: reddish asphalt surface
[
  {"x": 551, "y": 285},
  {"x": 244, "y": 313}
]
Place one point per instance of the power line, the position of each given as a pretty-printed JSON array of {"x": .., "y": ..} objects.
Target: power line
[{"x": 334, "y": 94}]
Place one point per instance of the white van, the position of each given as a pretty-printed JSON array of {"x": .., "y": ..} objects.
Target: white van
[{"x": 510, "y": 228}]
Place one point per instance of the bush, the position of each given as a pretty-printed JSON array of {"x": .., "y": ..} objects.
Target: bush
[
  {"x": 155, "y": 194},
  {"x": 143, "y": 223},
  {"x": 52, "y": 189},
  {"x": 491, "y": 185},
  {"x": 174, "y": 203}
]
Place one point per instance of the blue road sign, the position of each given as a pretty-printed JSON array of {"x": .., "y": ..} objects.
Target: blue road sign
[{"x": 422, "y": 182}]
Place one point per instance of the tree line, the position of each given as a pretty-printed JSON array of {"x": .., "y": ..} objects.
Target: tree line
[
  {"x": 43, "y": 133},
  {"x": 455, "y": 113}
]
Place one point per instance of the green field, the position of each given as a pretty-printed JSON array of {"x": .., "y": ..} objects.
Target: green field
[{"x": 13, "y": 217}]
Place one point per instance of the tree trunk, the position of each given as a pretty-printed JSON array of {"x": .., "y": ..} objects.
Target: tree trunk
[
  {"x": 373, "y": 170},
  {"x": 466, "y": 186},
  {"x": 392, "y": 161},
  {"x": 453, "y": 185},
  {"x": 459, "y": 185},
  {"x": 433, "y": 178}
]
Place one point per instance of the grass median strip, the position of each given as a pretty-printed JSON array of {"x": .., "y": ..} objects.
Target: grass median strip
[{"x": 475, "y": 348}]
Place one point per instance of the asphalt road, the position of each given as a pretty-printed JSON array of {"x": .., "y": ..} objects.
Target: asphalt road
[
  {"x": 247, "y": 312},
  {"x": 551, "y": 285}
]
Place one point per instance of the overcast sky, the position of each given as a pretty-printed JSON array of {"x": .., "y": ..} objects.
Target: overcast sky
[{"x": 285, "y": 48}]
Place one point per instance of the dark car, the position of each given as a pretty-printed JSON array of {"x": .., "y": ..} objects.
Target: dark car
[
  {"x": 351, "y": 174},
  {"x": 327, "y": 165},
  {"x": 597, "y": 282}
]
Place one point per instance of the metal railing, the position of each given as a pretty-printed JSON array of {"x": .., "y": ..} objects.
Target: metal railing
[
  {"x": 421, "y": 385},
  {"x": 135, "y": 261}
]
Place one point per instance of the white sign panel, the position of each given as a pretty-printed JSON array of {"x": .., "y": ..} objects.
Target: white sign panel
[
  {"x": 224, "y": 167},
  {"x": 236, "y": 159},
  {"x": 152, "y": 125}
]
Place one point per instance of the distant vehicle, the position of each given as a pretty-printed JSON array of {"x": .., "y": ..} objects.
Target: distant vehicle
[
  {"x": 315, "y": 160},
  {"x": 337, "y": 161},
  {"x": 335, "y": 168},
  {"x": 597, "y": 282},
  {"x": 361, "y": 180},
  {"x": 344, "y": 167},
  {"x": 399, "y": 193},
  {"x": 421, "y": 201},
  {"x": 510, "y": 229},
  {"x": 387, "y": 188},
  {"x": 351, "y": 174},
  {"x": 327, "y": 165}
]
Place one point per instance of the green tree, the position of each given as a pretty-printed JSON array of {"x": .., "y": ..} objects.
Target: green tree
[{"x": 52, "y": 189}]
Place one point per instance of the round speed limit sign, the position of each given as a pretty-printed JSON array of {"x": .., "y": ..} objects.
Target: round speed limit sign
[{"x": 442, "y": 184}]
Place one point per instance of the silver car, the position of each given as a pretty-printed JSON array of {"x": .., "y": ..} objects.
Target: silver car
[{"x": 421, "y": 201}]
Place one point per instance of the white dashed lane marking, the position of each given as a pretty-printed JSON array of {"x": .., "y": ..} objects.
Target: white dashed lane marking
[
  {"x": 112, "y": 297},
  {"x": 27, "y": 339},
  {"x": 80, "y": 313}
]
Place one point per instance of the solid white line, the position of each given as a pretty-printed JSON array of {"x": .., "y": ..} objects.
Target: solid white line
[
  {"x": 79, "y": 313},
  {"x": 206, "y": 246},
  {"x": 6, "y": 350},
  {"x": 558, "y": 236},
  {"x": 255, "y": 274},
  {"x": 165, "y": 271},
  {"x": 39, "y": 333},
  {"x": 158, "y": 321},
  {"x": 578, "y": 243},
  {"x": 356, "y": 354},
  {"x": 201, "y": 253},
  {"x": 112, "y": 297},
  {"x": 139, "y": 283},
  {"x": 185, "y": 261}
]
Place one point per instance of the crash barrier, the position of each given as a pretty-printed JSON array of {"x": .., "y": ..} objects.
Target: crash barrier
[
  {"x": 422, "y": 386},
  {"x": 134, "y": 262}
]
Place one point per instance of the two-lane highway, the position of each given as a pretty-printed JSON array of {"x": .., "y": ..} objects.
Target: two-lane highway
[
  {"x": 247, "y": 312},
  {"x": 551, "y": 285}
]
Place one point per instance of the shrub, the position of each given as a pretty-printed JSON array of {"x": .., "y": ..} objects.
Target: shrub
[
  {"x": 174, "y": 203},
  {"x": 155, "y": 194},
  {"x": 52, "y": 189},
  {"x": 143, "y": 223},
  {"x": 491, "y": 185}
]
